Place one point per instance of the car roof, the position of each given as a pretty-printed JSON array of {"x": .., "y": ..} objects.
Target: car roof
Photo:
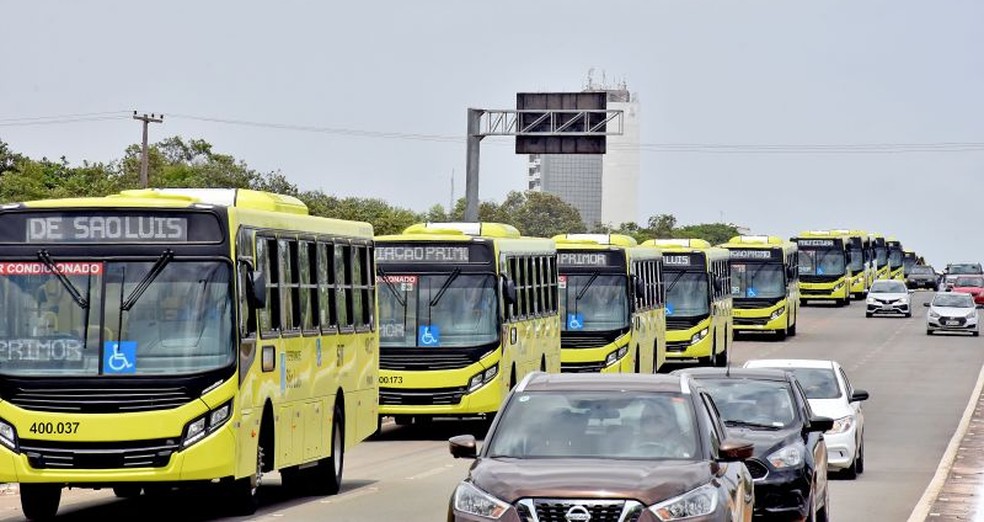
[
  {"x": 791, "y": 363},
  {"x": 540, "y": 381},
  {"x": 764, "y": 374}
]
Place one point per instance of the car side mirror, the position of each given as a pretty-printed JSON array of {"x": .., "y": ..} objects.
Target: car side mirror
[
  {"x": 509, "y": 291},
  {"x": 259, "y": 289},
  {"x": 735, "y": 450},
  {"x": 926, "y": 305},
  {"x": 463, "y": 447},
  {"x": 820, "y": 424},
  {"x": 859, "y": 395}
]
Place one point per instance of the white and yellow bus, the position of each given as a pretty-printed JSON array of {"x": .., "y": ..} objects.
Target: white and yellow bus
[
  {"x": 880, "y": 251},
  {"x": 466, "y": 311},
  {"x": 824, "y": 272},
  {"x": 698, "y": 301},
  {"x": 896, "y": 259},
  {"x": 156, "y": 338},
  {"x": 860, "y": 260},
  {"x": 612, "y": 314},
  {"x": 764, "y": 284}
]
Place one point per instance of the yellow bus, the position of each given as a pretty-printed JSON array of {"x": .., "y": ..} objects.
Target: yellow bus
[
  {"x": 909, "y": 260},
  {"x": 698, "y": 301},
  {"x": 895, "y": 259},
  {"x": 824, "y": 272},
  {"x": 881, "y": 256},
  {"x": 612, "y": 314},
  {"x": 159, "y": 338},
  {"x": 465, "y": 311},
  {"x": 764, "y": 284},
  {"x": 859, "y": 260}
]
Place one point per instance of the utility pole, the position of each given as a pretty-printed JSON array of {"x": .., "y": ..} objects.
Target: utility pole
[{"x": 147, "y": 119}]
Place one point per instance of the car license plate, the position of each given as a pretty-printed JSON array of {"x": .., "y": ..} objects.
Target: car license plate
[{"x": 951, "y": 323}]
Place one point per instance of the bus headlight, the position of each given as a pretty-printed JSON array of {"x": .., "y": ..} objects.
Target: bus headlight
[
  {"x": 203, "y": 425},
  {"x": 699, "y": 336},
  {"x": 8, "y": 435},
  {"x": 778, "y": 313},
  {"x": 616, "y": 355},
  {"x": 838, "y": 286},
  {"x": 483, "y": 377}
]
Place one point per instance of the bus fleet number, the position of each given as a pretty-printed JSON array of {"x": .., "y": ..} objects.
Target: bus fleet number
[
  {"x": 50, "y": 428},
  {"x": 395, "y": 379}
]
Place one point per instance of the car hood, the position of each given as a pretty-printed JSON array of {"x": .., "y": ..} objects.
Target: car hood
[
  {"x": 833, "y": 408},
  {"x": 948, "y": 311},
  {"x": 766, "y": 441},
  {"x": 888, "y": 296},
  {"x": 647, "y": 481}
]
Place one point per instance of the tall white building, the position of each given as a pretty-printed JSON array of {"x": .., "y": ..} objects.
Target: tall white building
[{"x": 603, "y": 187}]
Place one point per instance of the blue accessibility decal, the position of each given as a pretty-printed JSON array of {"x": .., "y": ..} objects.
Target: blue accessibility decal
[
  {"x": 752, "y": 292},
  {"x": 429, "y": 336},
  {"x": 575, "y": 321},
  {"x": 119, "y": 357},
  {"x": 669, "y": 309}
]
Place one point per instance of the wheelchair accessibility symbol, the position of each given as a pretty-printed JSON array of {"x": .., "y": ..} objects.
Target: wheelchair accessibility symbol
[
  {"x": 575, "y": 321},
  {"x": 119, "y": 357},
  {"x": 429, "y": 336}
]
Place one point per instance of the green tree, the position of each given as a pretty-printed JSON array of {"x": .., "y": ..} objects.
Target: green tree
[
  {"x": 539, "y": 214},
  {"x": 661, "y": 226},
  {"x": 714, "y": 233}
]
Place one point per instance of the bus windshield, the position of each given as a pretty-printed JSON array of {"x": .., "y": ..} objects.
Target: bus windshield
[
  {"x": 687, "y": 294},
  {"x": 821, "y": 262},
  {"x": 127, "y": 318},
  {"x": 594, "y": 303},
  {"x": 857, "y": 260},
  {"x": 895, "y": 258},
  {"x": 437, "y": 310},
  {"x": 757, "y": 280},
  {"x": 881, "y": 256}
]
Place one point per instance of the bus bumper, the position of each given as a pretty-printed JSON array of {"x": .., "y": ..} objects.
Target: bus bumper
[
  {"x": 838, "y": 291},
  {"x": 214, "y": 457},
  {"x": 689, "y": 344},
  {"x": 610, "y": 358},
  {"x": 859, "y": 286},
  {"x": 771, "y": 319}
]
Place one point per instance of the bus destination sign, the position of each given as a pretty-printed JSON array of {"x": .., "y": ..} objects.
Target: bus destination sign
[
  {"x": 815, "y": 242},
  {"x": 751, "y": 253},
  {"x": 589, "y": 259},
  {"x": 106, "y": 229},
  {"x": 430, "y": 254},
  {"x": 684, "y": 260}
]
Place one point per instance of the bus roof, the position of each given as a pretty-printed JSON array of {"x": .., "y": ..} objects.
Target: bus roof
[
  {"x": 183, "y": 198},
  {"x": 581, "y": 240},
  {"x": 754, "y": 241},
  {"x": 680, "y": 243},
  {"x": 497, "y": 230}
]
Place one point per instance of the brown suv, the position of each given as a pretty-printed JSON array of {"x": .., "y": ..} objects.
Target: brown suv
[{"x": 614, "y": 447}]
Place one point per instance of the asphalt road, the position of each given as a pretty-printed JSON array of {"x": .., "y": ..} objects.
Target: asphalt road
[{"x": 919, "y": 388}]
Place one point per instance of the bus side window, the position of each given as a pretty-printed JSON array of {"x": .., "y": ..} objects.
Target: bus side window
[
  {"x": 247, "y": 313},
  {"x": 269, "y": 261},
  {"x": 510, "y": 268},
  {"x": 291, "y": 285},
  {"x": 369, "y": 286},
  {"x": 360, "y": 284},
  {"x": 326, "y": 290},
  {"x": 537, "y": 284},
  {"x": 343, "y": 260},
  {"x": 308, "y": 262},
  {"x": 552, "y": 274}
]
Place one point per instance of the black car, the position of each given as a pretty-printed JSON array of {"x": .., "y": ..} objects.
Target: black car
[
  {"x": 922, "y": 276},
  {"x": 617, "y": 447},
  {"x": 769, "y": 408}
]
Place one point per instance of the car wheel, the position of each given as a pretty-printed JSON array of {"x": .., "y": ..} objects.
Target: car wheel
[
  {"x": 867, "y": 314},
  {"x": 929, "y": 332},
  {"x": 908, "y": 314},
  {"x": 975, "y": 334},
  {"x": 859, "y": 460}
]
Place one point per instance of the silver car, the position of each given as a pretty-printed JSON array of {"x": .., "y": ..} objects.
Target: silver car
[
  {"x": 888, "y": 296},
  {"x": 952, "y": 312}
]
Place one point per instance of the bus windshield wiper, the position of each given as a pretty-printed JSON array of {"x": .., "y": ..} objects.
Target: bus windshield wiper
[
  {"x": 674, "y": 282},
  {"x": 392, "y": 288},
  {"x": 144, "y": 283},
  {"x": 45, "y": 258},
  {"x": 444, "y": 288},
  {"x": 752, "y": 425},
  {"x": 584, "y": 289}
]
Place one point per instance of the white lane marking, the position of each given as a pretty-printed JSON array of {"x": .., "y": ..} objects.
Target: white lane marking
[
  {"x": 431, "y": 472},
  {"x": 361, "y": 492},
  {"x": 921, "y": 510}
]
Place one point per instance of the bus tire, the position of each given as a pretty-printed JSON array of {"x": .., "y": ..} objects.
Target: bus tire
[
  {"x": 326, "y": 477},
  {"x": 792, "y": 330},
  {"x": 127, "y": 490},
  {"x": 40, "y": 501},
  {"x": 244, "y": 493}
]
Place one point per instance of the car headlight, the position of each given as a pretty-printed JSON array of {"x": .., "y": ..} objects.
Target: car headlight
[
  {"x": 482, "y": 378},
  {"x": 697, "y": 337},
  {"x": 842, "y": 424},
  {"x": 870, "y": 300},
  {"x": 205, "y": 424},
  {"x": 695, "y": 503},
  {"x": 8, "y": 435},
  {"x": 788, "y": 457},
  {"x": 934, "y": 315},
  {"x": 778, "y": 313},
  {"x": 473, "y": 501},
  {"x": 971, "y": 315}
]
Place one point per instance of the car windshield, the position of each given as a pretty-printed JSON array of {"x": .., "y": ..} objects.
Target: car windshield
[
  {"x": 954, "y": 300},
  {"x": 761, "y": 280},
  {"x": 180, "y": 322},
  {"x": 593, "y": 302},
  {"x": 927, "y": 270},
  {"x": 759, "y": 403},
  {"x": 888, "y": 287},
  {"x": 821, "y": 262},
  {"x": 818, "y": 383},
  {"x": 606, "y": 425},
  {"x": 975, "y": 282},
  {"x": 964, "y": 269},
  {"x": 687, "y": 294},
  {"x": 437, "y": 310}
]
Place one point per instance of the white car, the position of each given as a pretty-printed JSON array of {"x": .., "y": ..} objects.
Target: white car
[
  {"x": 887, "y": 296},
  {"x": 952, "y": 312},
  {"x": 830, "y": 394}
]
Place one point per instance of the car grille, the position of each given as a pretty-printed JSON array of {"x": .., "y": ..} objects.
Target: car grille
[
  {"x": 556, "y": 510},
  {"x": 100, "y": 400},
  {"x": 420, "y": 396},
  {"x": 757, "y": 469},
  {"x": 98, "y": 455},
  {"x": 750, "y": 321},
  {"x": 581, "y": 367}
]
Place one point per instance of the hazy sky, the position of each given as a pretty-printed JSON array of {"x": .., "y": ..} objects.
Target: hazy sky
[{"x": 744, "y": 72}]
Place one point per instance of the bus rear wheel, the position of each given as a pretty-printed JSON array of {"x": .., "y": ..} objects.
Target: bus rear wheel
[
  {"x": 326, "y": 477},
  {"x": 40, "y": 501}
]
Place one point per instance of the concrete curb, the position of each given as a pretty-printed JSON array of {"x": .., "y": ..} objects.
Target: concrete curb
[{"x": 925, "y": 504}]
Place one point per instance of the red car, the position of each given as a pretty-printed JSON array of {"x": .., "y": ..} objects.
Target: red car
[{"x": 973, "y": 285}]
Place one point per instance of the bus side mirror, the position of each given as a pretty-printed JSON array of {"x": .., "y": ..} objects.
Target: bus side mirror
[
  {"x": 640, "y": 285},
  {"x": 258, "y": 289},
  {"x": 509, "y": 291}
]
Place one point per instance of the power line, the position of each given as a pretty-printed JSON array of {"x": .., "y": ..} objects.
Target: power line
[
  {"x": 63, "y": 116},
  {"x": 326, "y": 130},
  {"x": 30, "y": 123}
]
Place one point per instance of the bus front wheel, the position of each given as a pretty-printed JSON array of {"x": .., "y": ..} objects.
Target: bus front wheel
[
  {"x": 40, "y": 501},
  {"x": 245, "y": 492},
  {"x": 327, "y": 475}
]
